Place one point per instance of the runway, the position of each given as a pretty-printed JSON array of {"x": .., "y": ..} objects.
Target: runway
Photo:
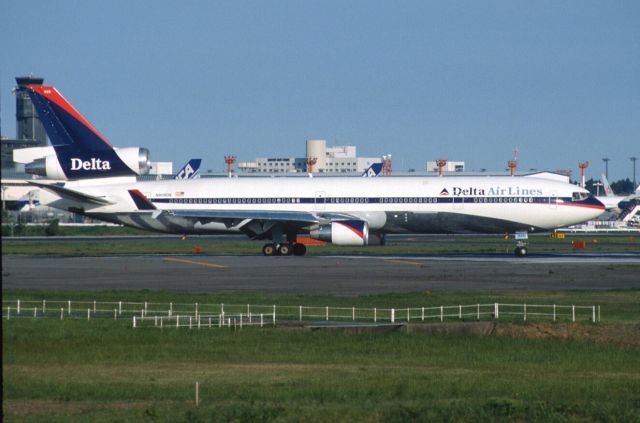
[{"x": 320, "y": 275}]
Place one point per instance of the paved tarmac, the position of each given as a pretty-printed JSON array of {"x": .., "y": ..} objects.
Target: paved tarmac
[{"x": 318, "y": 275}]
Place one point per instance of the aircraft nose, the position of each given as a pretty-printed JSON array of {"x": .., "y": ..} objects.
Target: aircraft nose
[{"x": 596, "y": 205}]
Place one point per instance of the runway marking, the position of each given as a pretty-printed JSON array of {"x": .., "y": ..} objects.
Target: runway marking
[
  {"x": 407, "y": 262},
  {"x": 199, "y": 263}
]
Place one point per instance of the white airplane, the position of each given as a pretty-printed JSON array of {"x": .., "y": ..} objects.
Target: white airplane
[
  {"x": 341, "y": 210},
  {"x": 614, "y": 202}
]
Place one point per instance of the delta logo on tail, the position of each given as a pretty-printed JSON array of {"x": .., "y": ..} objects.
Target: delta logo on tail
[{"x": 81, "y": 152}]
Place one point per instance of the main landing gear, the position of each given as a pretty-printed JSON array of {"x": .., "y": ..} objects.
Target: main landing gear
[{"x": 284, "y": 249}]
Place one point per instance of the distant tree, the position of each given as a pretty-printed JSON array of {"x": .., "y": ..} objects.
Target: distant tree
[
  {"x": 590, "y": 186},
  {"x": 623, "y": 186}
]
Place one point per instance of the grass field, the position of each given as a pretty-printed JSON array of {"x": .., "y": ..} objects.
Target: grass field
[
  {"x": 447, "y": 244},
  {"x": 104, "y": 370}
]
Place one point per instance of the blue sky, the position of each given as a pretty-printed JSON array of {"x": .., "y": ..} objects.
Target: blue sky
[{"x": 463, "y": 80}]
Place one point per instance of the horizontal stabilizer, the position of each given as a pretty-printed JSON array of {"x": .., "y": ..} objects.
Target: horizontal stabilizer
[
  {"x": 71, "y": 194},
  {"x": 142, "y": 202}
]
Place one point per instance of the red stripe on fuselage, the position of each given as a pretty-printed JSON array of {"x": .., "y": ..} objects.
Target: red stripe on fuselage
[{"x": 51, "y": 94}]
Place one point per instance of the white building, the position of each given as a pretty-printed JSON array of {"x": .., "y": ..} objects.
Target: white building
[{"x": 338, "y": 159}]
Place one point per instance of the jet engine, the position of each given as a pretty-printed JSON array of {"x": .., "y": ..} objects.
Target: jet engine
[
  {"x": 135, "y": 158},
  {"x": 343, "y": 232}
]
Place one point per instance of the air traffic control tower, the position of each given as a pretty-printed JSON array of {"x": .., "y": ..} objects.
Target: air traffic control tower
[
  {"x": 29, "y": 129},
  {"x": 28, "y": 123}
]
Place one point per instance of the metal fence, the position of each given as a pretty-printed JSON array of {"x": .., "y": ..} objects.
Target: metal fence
[{"x": 151, "y": 314}]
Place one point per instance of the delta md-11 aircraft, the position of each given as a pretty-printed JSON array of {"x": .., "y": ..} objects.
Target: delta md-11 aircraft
[{"x": 340, "y": 210}]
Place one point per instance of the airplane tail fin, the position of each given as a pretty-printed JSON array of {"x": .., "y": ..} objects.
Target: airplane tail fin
[
  {"x": 607, "y": 188},
  {"x": 373, "y": 170},
  {"x": 189, "y": 170},
  {"x": 81, "y": 151}
]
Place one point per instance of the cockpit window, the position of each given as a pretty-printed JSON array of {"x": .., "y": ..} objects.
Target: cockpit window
[{"x": 579, "y": 196}]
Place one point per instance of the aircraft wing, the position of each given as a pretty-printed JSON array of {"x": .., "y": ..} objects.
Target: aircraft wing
[
  {"x": 224, "y": 215},
  {"x": 71, "y": 194},
  {"x": 259, "y": 224}
]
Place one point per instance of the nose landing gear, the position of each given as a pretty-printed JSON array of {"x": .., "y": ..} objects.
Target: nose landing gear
[{"x": 521, "y": 244}]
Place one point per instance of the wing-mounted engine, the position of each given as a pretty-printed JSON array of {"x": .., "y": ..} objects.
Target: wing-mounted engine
[{"x": 343, "y": 232}]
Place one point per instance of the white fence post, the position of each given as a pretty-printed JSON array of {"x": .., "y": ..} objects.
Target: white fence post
[
  {"x": 197, "y": 394},
  {"x": 478, "y": 311},
  {"x": 598, "y": 313},
  {"x": 353, "y": 313},
  {"x": 177, "y": 321},
  {"x": 327, "y": 313},
  {"x": 300, "y": 313},
  {"x": 35, "y": 311},
  {"x": 460, "y": 311},
  {"x": 170, "y": 309},
  {"x": 145, "y": 308},
  {"x": 134, "y": 321},
  {"x": 69, "y": 308},
  {"x": 393, "y": 315},
  {"x": 61, "y": 313},
  {"x": 190, "y": 322},
  {"x": 441, "y": 313},
  {"x": 408, "y": 314},
  {"x": 554, "y": 312},
  {"x": 8, "y": 313},
  {"x": 119, "y": 307},
  {"x": 115, "y": 314},
  {"x": 423, "y": 314},
  {"x": 525, "y": 312},
  {"x": 261, "y": 319},
  {"x": 18, "y": 307},
  {"x": 593, "y": 316},
  {"x": 94, "y": 306},
  {"x": 573, "y": 313},
  {"x": 240, "y": 320},
  {"x": 496, "y": 311},
  {"x": 88, "y": 314},
  {"x": 375, "y": 314},
  {"x": 196, "y": 315},
  {"x": 274, "y": 314},
  {"x": 44, "y": 306}
]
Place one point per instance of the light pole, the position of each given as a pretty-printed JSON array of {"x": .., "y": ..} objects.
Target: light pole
[
  {"x": 606, "y": 167},
  {"x": 598, "y": 184},
  {"x": 633, "y": 159}
]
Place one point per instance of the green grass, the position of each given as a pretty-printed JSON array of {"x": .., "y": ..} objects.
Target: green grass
[
  {"x": 105, "y": 371},
  {"x": 487, "y": 244}
]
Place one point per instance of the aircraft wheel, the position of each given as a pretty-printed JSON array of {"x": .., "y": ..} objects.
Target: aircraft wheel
[
  {"x": 269, "y": 250},
  {"x": 521, "y": 251},
  {"x": 299, "y": 249},
  {"x": 284, "y": 249}
]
